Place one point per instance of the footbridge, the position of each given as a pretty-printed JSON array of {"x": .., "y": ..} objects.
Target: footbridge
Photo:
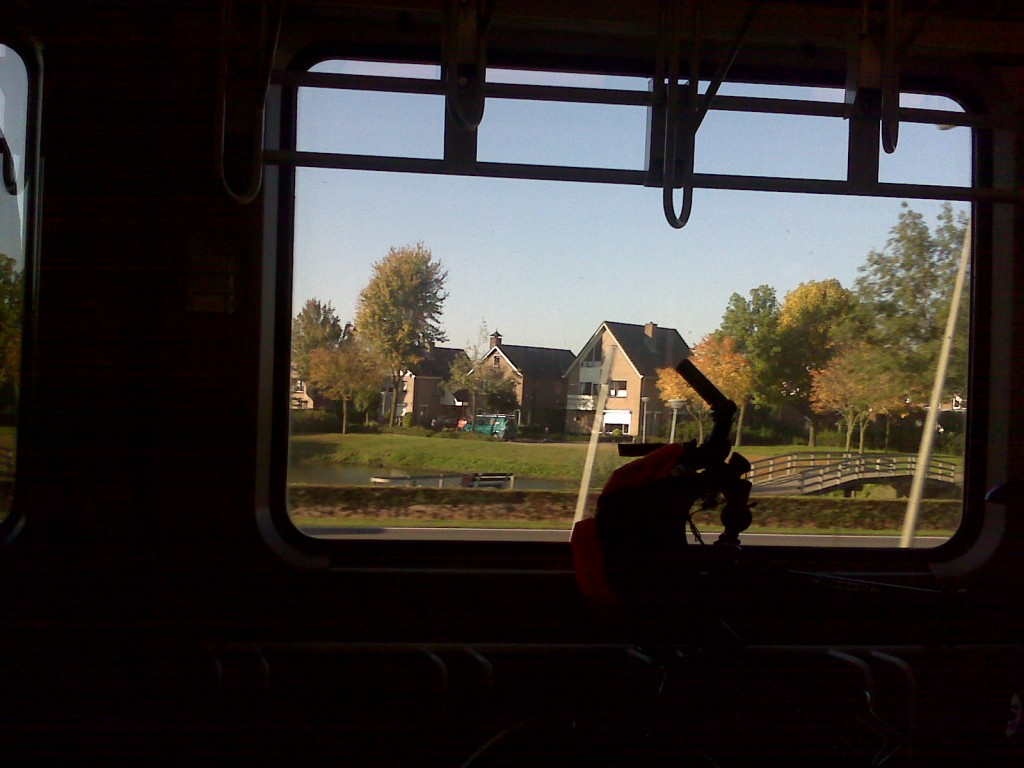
[{"x": 808, "y": 473}]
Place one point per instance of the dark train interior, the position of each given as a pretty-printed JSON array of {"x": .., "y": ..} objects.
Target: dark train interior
[{"x": 158, "y": 606}]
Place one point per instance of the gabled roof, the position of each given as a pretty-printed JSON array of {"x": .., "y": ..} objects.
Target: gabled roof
[
  {"x": 436, "y": 362},
  {"x": 536, "y": 362},
  {"x": 646, "y": 353}
]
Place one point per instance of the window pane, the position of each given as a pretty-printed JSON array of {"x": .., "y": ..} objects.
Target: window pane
[
  {"x": 589, "y": 287},
  {"x": 14, "y": 84},
  {"x": 551, "y": 133}
]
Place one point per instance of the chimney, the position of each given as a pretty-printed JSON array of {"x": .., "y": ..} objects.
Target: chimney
[
  {"x": 495, "y": 339},
  {"x": 650, "y": 329}
]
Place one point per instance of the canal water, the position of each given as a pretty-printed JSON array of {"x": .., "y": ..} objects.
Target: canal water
[{"x": 345, "y": 474}]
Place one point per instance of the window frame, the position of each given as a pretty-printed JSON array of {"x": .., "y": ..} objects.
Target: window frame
[
  {"x": 553, "y": 557},
  {"x": 30, "y": 53}
]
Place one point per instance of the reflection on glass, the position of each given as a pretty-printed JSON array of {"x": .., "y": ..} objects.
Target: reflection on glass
[
  {"x": 456, "y": 340},
  {"x": 13, "y": 125}
]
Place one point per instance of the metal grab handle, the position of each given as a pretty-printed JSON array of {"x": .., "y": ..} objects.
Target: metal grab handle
[
  {"x": 269, "y": 37},
  {"x": 9, "y": 171},
  {"x": 697, "y": 110},
  {"x": 672, "y": 107},
  {"x": 891, "y": 78},
  {"x": 465, "y": 70}
]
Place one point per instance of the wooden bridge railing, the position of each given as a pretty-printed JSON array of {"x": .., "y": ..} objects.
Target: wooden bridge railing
[{"x": 814, "y": 472}]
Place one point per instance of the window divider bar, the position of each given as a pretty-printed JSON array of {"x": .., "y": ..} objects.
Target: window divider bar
[
  {"x": 639, "y": 177},
  {"x": 610, "y": 96}
]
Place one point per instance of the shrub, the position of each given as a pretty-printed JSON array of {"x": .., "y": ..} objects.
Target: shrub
[
  {"x": 315, "y": 421},
  {"x": 832, "y": 438},
  {"x": 536, "y": 432},
  {"x": 769, "y": 434}
]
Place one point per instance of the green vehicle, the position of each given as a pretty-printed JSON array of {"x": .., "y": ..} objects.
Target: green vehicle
[{"x": 500, "y": 426}]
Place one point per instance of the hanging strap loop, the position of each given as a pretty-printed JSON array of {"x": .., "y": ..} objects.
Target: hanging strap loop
[
  {"x": 243, "y": 113},
  {"x": 891, "y": 78},
  {"x": 680, "y": 148},
  {"x": 9, "y": 172},
  {"x": 465, "y": 72}
]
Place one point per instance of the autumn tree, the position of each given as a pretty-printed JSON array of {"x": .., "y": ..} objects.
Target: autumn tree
[
  {"x": 345, "y": 373},
  {"x": 814, "y": 318},
  {"x": 316, "y": 326},
  {"x": 399, "y": 310},
  {"x": 856, "y": 386},
  {"x": 718, "y": 359},
  {"x": 672, "y": 386}
]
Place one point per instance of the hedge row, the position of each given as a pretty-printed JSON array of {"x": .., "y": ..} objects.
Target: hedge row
[{"x": 485, "y": 504}]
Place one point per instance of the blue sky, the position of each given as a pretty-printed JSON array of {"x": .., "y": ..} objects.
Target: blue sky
[{"x": 546, "y": 262}]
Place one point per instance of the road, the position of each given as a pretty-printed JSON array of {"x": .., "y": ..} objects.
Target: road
[{"x": 527, "y": 535}]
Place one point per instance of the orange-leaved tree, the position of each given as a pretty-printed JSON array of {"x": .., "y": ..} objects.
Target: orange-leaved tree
[
  {"x": 855, "y": 386},
  {"x": 718, "y": 359}
]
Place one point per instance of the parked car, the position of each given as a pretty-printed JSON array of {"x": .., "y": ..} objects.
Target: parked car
[
  {"x": 445, "y": 422},
  {"x": 500, "y": 426}
]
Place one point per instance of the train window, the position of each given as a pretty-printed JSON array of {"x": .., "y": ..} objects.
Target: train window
[
  {"x": 16, "y": 149},
  {"x": 563, "y": 133},
  {"x": 464, "y": 318},
  {"x": 375, "y": 123}
]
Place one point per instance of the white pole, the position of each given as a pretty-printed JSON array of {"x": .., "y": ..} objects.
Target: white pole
[
  {"x": 588, "y": 465},
  {"x": 924, "y": 453}
]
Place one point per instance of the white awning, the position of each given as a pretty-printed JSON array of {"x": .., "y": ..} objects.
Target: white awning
[{"x": 618, "y": 417}]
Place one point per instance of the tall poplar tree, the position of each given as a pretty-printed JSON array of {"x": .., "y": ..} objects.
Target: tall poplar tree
[{"x": 399, "y": 310}]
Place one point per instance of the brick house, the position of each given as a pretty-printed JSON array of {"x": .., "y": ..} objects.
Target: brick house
[
  {"x": 638, "y": 351},
  {"x": 425, "y": 393},
  {"x": 539, "y": 376}
]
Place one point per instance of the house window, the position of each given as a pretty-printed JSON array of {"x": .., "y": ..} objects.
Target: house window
[
  {"x": 617, "y": 389},
  {"x": 497, "y": 362}
]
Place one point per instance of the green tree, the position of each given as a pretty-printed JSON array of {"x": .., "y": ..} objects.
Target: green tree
[
  {"x": 754, "y": 325},
  {"x": 907, "y": 288},
  {"x": 316, "y": 326},
  {"x": 400, "y": 308}
]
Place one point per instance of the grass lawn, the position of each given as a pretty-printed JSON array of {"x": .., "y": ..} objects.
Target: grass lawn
[{"x": 555, "y": 461}]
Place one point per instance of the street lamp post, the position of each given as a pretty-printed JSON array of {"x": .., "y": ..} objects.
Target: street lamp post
[
  {"x": 643, "y": 419},
  {"x": 675, "y": 405}
]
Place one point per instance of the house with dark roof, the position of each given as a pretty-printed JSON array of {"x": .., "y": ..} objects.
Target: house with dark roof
[
  {"x": 633, "y": 353},
  {"x": 425, "y": 392},
  {"x": 539, "y": 376}
]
